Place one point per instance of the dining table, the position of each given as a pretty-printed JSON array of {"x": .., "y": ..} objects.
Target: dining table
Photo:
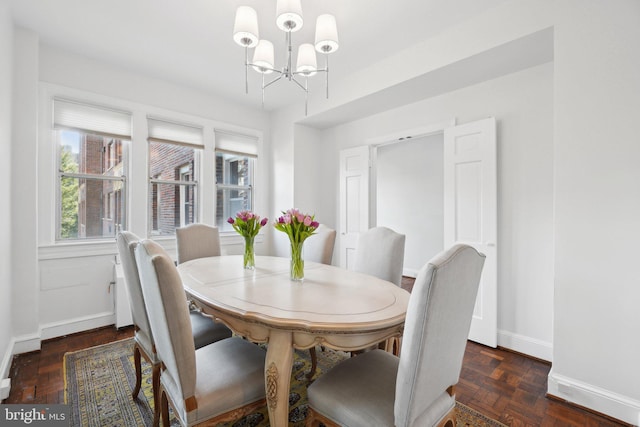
[{"x": 332, "y": 306}]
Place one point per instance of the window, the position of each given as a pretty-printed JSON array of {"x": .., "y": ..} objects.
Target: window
[
  {"x": 91, "y": 152},
  {"x": 174, "y": 155},
  {"x": 235, "y": 170}
]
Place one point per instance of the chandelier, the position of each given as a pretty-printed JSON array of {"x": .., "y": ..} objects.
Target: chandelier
[{"x": 288, "y": 19}]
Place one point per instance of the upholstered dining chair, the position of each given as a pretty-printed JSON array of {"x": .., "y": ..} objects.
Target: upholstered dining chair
[
  {"x": 203, "y": 329},
  {"x": 219, "y": 382},
  {"x": 380, "y": 253},
  {"x": 197, "y": 241},
  {"x": 319, "y": 248},
  {"x": 417, "y": 388}
]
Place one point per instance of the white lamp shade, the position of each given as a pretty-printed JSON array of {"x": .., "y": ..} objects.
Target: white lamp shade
[
  {"x": 245, "y": 29},
  {"x": 326, "y": 34},
  {"x": 289, "y": 15},
  {"x": 306, "y": 63},
  {"x": 263, "y": 57}
]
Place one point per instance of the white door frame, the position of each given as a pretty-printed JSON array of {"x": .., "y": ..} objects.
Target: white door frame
[{"x": 395, "y": 138}]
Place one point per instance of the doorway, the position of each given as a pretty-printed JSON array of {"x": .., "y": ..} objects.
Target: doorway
[
  {"x": 410, "y": 172},
  {"x": 469, "y": 200}
]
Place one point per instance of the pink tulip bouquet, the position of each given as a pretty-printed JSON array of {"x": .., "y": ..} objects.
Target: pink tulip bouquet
[
  {"x": 248, "y": 224},
  {"x": 298, "y": 227}
]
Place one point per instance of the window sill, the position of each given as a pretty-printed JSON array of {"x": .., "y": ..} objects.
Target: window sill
[
  {"x": 77, "y": 249},
  {"x": 81, "y": 249}
]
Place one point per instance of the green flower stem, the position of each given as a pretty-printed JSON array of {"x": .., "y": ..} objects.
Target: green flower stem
[
  {"x": 297, "y": 262},
  {"x": 249, "y": 255}
]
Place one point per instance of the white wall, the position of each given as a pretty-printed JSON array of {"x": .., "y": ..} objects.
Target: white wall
[
  {"x": 523, "y": 105},
  {"x": 24, "y": 191},
  {"x": 282, "y": 177},
  {"x": 597, "y": 217},
  {"x": 409, "y": 178},
  {"x": 6, "y": 68}
]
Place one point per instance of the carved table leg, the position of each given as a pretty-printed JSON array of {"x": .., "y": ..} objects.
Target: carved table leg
[{"x": 277, "y": 375}]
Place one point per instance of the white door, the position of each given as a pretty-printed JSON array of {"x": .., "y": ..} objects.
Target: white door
[
  {"x": 354, "y": 200},
  {"x": 470, "y": 211}
]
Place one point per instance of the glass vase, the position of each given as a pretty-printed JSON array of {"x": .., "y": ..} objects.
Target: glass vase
[
  {"x": 297, "y": 262},
  {"x": 249, "y": 255}
]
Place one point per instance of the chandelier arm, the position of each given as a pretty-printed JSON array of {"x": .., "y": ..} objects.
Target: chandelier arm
[
  {"x": 273, "y": 81},
  {"x": 305, "y": 73},
  {"x": 299, "y": 84},
  {"x": 273, "y": 70}
]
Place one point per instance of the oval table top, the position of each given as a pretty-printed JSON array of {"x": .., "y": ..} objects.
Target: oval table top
[{"x": 330, "y": 299}]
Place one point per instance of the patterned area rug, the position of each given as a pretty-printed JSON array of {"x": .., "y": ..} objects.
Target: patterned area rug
[{"x": 99, "y": 380}]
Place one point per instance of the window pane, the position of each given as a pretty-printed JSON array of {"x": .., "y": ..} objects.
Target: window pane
[
  {"x": 169, "y": 162},
  {"x": 231, "y": 202},
  {"x": 171, "y": 206},
  {"x": 234, "y": 170},
  {"x": 90, "y": 154},
  {"x": 90, "y": 208}
]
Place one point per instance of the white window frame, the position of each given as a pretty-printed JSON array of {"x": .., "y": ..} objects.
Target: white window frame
[
  {"x": 137, "y": 197},
  {"x": 197, "y": 144},
  {"x": 241, "y": 145},
  {"x": 55, "y": 139}
]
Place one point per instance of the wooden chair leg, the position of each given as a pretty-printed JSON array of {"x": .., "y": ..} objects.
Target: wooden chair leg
[
  {"x": 155, "y": 382},
  {"x": 314, "y": 363},
  {"x": 314, "y": 419},
  {"x": 449, "y": 420},
  {"x": 138, "y": 366},
  {"x": 165, "y": 410}
]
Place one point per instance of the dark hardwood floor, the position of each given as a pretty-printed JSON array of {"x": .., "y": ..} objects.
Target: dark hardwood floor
[{"x": 503, "y": 385}]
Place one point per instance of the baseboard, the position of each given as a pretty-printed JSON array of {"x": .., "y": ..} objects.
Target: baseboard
[
  {"x": 26, "y": 343},
  {"x": 79, "y": 324},
  {"x": 5, "y": 368},
  {"x": 594, "y": 398},
  {"x": 32, "y": 342},
  {"x": 7, "y": 358},
  {"x": 526, "y": 345},
  {"x": 410, "y": 272}
]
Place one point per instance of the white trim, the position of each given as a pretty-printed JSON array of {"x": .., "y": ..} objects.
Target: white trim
[
  {"x": 598, "y": 399},
  {"x": 5, "y": 366},
  {"x": 33, "y": 342},
  {"x": 77, "y": 249},
  {"x": 79, "y": 324},
  {"x": 418, "y": 132},
  {"x": 26, "y": 343},
  {"x": 394, "y": 138},
  {"x": 526, "y": 345}
]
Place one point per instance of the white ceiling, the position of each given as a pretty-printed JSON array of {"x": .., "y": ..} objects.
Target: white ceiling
[{"x": 189, "y": 42}]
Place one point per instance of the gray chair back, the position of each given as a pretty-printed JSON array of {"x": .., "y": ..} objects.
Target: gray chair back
[
  {"x": 436, "y": 330},
  {"x": 127, "y": 243},
  {"x": 197, "y": 241},
  {"x": 319, "y": 247},
  {"x": 168, "y": 316},
  {"x": 380, "y": 253}
]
